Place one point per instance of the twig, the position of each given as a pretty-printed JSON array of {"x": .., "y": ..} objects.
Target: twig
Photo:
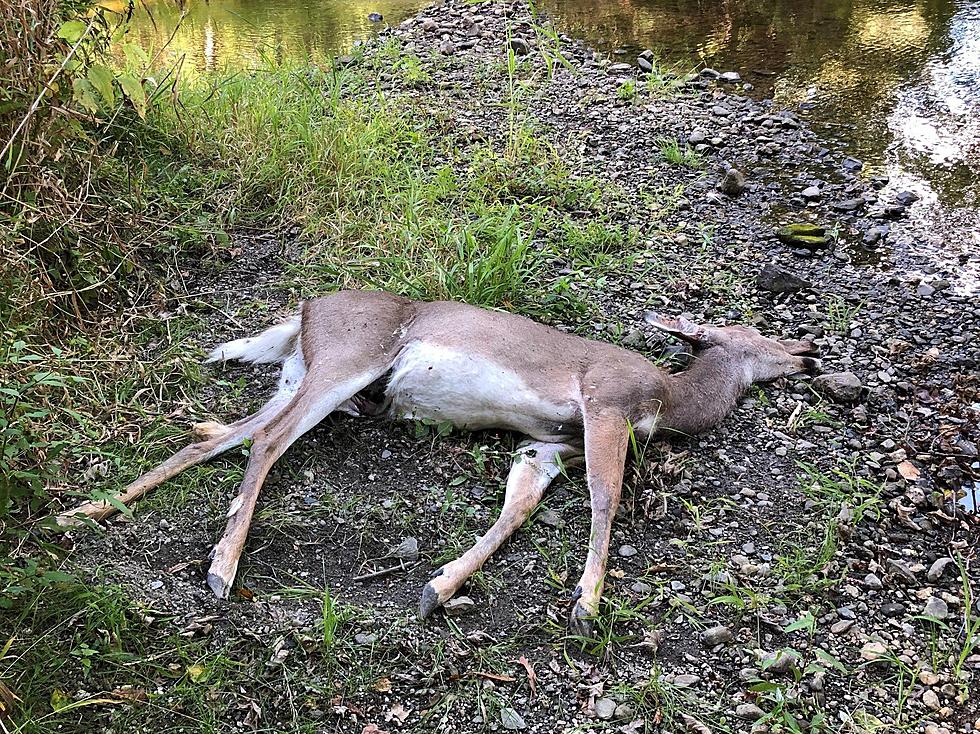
[{"x": 383, "y": 572}]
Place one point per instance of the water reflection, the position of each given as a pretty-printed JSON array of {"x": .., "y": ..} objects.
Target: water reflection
[
  {"x": 219, "y": 33},
  {"x": 898, "y": 81}
]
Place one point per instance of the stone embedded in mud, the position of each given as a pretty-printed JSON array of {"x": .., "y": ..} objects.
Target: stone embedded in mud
[
  {"x": 775, "y": 280},
  {"x": 620, "y": 68},
  {"x": 842, "y": 387},
  {"x": 804, "y": 234},
  {"x": 375, "y": 17},
  {"x": 852, "y": 164}
]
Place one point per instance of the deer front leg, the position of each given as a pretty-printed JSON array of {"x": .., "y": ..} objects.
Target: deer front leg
[
  {"x": 606, "y": 438},
  {"x": 536, "y": 465}
]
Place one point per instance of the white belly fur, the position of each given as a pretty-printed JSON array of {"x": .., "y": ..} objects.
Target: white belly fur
[{"x": 439, "y": 384}]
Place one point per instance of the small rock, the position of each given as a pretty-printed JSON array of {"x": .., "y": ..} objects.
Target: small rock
[
  {"x": 874, "y": 652},
  {"x": 365, "y": 638},
  {"x": 852, "y": 164},
  {"x": 906, "y": 198},
  {"x": 620, "y": 68},
  {"x": 459, "y": 606},
  {"x": 848, "y": 205},
  {"x": 408, "y": 549},
  {"x": 842, "y": 387},
  {"x": 716, "y": 636},
  {"x": 935, "y": 608},
  {"x": 519, "y": 46},
  {"x": 447, "y": 47},
  {"x": 937, "y": 568},
  {"x": 605, "y": 708},
  {"x": 893, "y": 609},
  {"x": 749, "y": 712},
  {"x": 511, "y": 720},
  {"x": 811, "y": 193},
  {"x": 730, "y": 77},
  {"x": 931, "y": 699},
  {"x": 873, "y": 582},
  {"x": 721, "y": 110},
  {"x": 686, "y": 680},
  {"x": 842, "y": 626},
  {"x": 375, "y": 17},
  {"x": 782, "y": 662},
  {"x": 550, "y": 518},
  {"x": 775, "y": 280},
  {"x": 732, "y": 183},
  {"x": 627, "y": 551}
]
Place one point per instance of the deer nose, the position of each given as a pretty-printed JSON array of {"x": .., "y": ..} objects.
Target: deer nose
[{"x": 811, "y": 366}]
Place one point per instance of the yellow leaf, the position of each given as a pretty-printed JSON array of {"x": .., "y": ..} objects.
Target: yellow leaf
[
  {"x": 382, "y": 685},
  {"x": 197, "y": 672},
  {"x": 59, "y": 699}
]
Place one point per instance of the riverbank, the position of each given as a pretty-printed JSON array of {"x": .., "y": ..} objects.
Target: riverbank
[{"x": 776, "y": 570}]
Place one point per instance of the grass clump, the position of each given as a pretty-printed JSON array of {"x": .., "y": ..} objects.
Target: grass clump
[{"x": 685, "y": 156}]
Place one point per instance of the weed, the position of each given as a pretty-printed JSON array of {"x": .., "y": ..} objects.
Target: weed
[
  {"x": 627, "y": 91},
  {"x": 840, "y": 313},
  {"x": 685, "y": 156}
]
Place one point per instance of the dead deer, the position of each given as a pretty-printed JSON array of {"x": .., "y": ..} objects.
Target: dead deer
[{"x": 368, "y": 353}]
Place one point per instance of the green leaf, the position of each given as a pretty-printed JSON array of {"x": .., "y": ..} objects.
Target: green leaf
[
  {"x": 133, "y": 88},
  {"x": 830, "y": 660},
  {"x": 85, "y": 94},
  {"x": 101, "y": 79},
  {"x": 806, "y": 621},
  {"x": 72, "y": 30}
]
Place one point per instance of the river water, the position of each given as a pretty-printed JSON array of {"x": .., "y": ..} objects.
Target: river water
[{"x": 897, "y": 82}]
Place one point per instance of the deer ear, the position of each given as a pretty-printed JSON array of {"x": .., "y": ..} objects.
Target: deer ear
[
  {"x": 679, "y": 327},
  {"x": 794, "y": 346}
]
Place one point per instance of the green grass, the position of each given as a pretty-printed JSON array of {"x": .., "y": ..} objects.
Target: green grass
[{"x": 673, "y": 152}]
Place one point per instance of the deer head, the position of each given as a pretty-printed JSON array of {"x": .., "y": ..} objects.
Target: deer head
[{"x": 764, "y": 359}]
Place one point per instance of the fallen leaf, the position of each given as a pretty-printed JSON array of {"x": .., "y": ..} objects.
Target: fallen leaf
[
  {"x": 372, "y": 729},
  {"x": 196, "y": 672},
  {"x": 616, "y": 573},
  {"x": 59, "y": 699},
  {"x": 909, "y": 471},
  {"x": 382, "y": 685},
  {"x": 129, "y": 693},
  {"x": 245, "y": 593},
  {"x": 397, "y": 713},
  {"x": 695, "y": 726},
  {"x": 493, "y": 676},
  {"x": 532, "y": 679}
]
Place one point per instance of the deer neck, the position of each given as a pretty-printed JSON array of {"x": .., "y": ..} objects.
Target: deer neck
[{"x": 700, "y": 396}]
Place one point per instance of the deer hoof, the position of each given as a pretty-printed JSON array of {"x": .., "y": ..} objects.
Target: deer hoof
[
  {"x": 580, "y": 621},
  {"x": 429, "y": 602},
  {"x": 219, "y": 585}
]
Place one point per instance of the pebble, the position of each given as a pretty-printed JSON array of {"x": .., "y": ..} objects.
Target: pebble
[
  {"x": 686, "y": 680},
  {"x": 842, "y": 387},
  {"x": 627, "y": 551},
  {"x": 936, "y": 569},
  {"x": 605, "y": 708},
  {"x": 716, "y": 635},
  {"x": 873, "y": 582},
  {"x": 935, "y": 608},
  {"x": 874, "y": 652},
  {"x": 842, "y": 626},
  {"x": 893, "y": 609},
  {"x": 749, "y": 712},
  {"x": 511, "y": 720}
]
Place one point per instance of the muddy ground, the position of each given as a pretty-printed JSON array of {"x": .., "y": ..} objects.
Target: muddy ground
[{"x": 743, "y": 592}]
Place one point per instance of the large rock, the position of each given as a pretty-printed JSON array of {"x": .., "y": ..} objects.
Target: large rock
[{"x": 842, "y": 387}]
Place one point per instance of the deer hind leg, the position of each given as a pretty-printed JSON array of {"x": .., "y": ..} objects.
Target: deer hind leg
[
  {"x": 319, "y": 395},
  {"x": 213, "y": 439},
  {"x": 533, "y": 470}
]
